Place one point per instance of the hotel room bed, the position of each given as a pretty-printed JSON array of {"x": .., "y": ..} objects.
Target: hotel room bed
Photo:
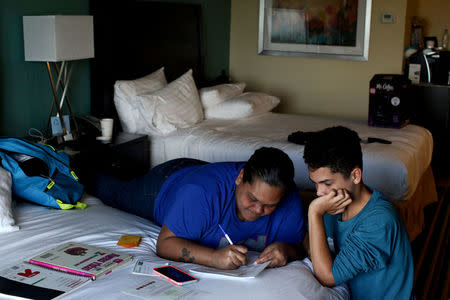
[{"x": 99, "y": 225}]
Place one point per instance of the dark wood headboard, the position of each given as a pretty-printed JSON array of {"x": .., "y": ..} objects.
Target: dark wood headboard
[{"x": 134, "y": 38}]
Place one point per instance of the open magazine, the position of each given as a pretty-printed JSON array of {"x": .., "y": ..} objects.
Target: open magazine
[
  {"x": 81, "y": 259},
  {"x": 29, "y": 281}
]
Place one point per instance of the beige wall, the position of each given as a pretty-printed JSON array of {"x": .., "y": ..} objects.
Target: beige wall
[
  {"x": 311, "y": 85},
  {"x": 437, "y": 17},
  {"x": 411, "y": 11}
]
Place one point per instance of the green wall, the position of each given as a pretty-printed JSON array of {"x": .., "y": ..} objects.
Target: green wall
[{"x": 25, "y": 92}]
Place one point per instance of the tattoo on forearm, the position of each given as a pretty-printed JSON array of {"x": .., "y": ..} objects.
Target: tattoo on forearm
[{"x": 185, "y": 256}]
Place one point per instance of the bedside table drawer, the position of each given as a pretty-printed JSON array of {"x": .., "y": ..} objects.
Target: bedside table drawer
[
  {"x": 126, "y": 157},
  {"x": 126, "y": 160}
]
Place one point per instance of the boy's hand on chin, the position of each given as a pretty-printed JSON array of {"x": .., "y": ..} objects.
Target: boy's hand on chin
[{"x": 333, "y": 203}]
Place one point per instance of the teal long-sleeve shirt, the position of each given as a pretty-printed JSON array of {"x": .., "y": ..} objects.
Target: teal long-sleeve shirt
[{"x": 373, "y": 253}]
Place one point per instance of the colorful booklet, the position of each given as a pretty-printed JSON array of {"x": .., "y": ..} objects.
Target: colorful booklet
[
  {"x": 81, "y": 259},
  {"x": 27, "y": 281}
]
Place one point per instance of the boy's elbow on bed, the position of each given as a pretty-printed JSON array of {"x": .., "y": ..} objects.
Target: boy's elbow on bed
[
  {"x": 326, "y": 279},
  {"x": 328, "y": 283}
]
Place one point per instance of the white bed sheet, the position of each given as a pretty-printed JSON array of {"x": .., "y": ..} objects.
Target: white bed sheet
[
  {"x": 100, "y": 225},
  {"x": 394, "y": 169}
]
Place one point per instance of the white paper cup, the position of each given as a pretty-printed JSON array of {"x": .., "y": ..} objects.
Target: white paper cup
[{"x": 107, "y": 127}]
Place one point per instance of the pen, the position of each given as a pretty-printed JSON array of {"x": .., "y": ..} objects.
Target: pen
[{"x": 226, "y": 235}]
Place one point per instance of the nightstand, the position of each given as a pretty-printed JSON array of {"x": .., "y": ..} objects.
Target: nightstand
[{"x": 127, "y": 156}]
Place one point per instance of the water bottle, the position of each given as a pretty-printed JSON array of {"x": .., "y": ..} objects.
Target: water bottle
[{"x": 445, "y": 40}]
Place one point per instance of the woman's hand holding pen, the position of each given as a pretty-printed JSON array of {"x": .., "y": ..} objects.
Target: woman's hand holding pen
[{"x": 230, "y": 257}]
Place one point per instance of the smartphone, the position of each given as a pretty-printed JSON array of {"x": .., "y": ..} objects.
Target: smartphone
[{"x": 174, "y": 275}]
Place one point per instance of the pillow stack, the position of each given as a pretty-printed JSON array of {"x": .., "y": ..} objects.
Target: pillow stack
[
  {"x": 127, "y": 104},
  {"x": 149, "y": 105},
  {"x": 177, "y": 105},
  {"x": 227, "y": 101},
  {"x": 214, "y": 95}
]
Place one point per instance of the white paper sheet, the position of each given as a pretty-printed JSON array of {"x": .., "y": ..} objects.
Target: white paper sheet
[
  {"x": 159, "y": 289},
  {"x": 251, "y": 270},
  {"x": 143, "y": 267}
]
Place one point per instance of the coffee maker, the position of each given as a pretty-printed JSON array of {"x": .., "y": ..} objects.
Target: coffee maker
[{"x": 434, "y": 66}]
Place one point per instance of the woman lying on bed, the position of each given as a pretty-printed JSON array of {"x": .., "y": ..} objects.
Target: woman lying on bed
[{"x": 256, "y": 203}]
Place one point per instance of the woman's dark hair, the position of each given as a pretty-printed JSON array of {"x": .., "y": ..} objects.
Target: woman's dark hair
[
  {"x": 337, "y": 148},
  {"x": 272, "y": 166}
]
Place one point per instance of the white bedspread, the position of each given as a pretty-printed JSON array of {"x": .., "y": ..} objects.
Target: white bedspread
[
  {"x": 393, "y": 169},
  {"x": 99, "y": 225}
]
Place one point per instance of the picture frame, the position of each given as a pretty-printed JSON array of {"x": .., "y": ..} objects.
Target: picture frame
[{"x": 324, "y": 29}]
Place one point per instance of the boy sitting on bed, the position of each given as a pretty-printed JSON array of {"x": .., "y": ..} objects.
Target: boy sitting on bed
[
  {"x": 255, "y": 202},
  {"x": 373, "y": 254}
]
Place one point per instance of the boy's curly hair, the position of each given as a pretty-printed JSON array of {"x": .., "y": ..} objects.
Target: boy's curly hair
[{"x": 337, "y": 148}]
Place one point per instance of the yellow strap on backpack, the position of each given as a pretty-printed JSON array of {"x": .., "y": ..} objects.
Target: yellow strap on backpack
[
  {"x": 63, "y": 205},
  {"x": 74, "y": 175},
  {"x": 50, "y": 184}
]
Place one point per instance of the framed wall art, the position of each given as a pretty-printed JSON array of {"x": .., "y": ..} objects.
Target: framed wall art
[{"x": 327, "y": 28}]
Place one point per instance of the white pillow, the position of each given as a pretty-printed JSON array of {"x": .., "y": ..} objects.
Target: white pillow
[
  {"x": 6, "y": 215},
  {"x": 175, "y": 106},
  {"x": 243, "y": 106},
  {"x": 127, "y": 105},
  {"x": 214, "y": 95}
]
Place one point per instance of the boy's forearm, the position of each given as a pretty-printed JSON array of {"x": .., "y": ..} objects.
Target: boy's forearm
[{"x": 320, "y": 252}]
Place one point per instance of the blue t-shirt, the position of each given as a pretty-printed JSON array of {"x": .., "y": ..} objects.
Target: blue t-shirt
[
  {"x": 373, "y": 252},
  {"x": 195, "y": 200}
]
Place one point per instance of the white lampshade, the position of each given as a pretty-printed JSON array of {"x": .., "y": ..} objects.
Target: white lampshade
[{"x": 58, "y": 38}]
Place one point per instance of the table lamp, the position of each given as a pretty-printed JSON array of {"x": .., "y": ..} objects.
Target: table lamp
[{"x": 59, "y": 38}]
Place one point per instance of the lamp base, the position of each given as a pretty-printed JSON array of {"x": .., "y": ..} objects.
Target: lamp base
[
  {"x": 62, "y": 139},
  {"x": 60, "y": 124}
]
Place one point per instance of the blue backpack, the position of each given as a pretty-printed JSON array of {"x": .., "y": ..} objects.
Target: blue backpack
[{"x": 40, "y": 174}]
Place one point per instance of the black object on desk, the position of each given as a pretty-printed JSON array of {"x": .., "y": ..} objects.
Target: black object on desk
[
  {"x": 433, "y": 113},
  {"x": 127, "y": 156},
  {"x": 390, "y": 103}
]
